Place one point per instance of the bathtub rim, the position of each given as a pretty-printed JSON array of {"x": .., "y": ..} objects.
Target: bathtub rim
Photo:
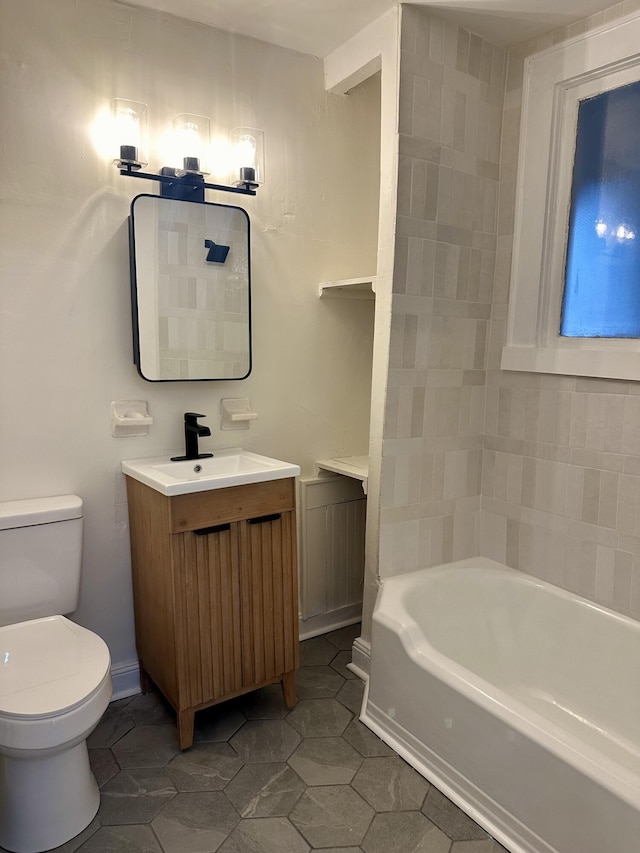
[{"x": 603, "y": 770}]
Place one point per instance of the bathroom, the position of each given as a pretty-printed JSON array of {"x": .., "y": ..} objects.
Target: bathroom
[{"x": 539, "y": 472}]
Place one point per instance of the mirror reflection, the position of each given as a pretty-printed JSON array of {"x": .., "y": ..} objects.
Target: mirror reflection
[{"x": 191, "y": 289}]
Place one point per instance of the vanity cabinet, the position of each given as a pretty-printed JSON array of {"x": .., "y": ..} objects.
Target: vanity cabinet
[{"x": 215, "y": 593}]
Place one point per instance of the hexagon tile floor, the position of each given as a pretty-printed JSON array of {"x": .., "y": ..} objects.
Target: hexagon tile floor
[{"x": 261, "y": 779}]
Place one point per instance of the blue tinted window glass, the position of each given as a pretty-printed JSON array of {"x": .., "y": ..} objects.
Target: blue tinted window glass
[{"x": 602, "y": 273}]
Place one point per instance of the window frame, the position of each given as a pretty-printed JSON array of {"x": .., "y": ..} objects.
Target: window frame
[{"x": 555, "y": 81}]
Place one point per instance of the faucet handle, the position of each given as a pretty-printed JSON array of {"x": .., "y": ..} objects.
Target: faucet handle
[{"x": 192, "y": 417}]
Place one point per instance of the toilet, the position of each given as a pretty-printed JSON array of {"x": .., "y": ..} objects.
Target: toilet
[{"x": 55, "y": 680}]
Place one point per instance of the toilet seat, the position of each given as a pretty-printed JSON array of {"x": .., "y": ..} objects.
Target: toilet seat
[{"x": 54, "y": 676}]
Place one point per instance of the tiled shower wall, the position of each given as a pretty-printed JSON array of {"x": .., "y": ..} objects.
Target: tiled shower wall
[
  {"x": 451, "y": 95},
  {"x": 561, "y": 468},
  {"x": 541, "y": 472}
]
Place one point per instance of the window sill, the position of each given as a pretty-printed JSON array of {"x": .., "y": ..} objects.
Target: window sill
[{"x": 578, "y": 361}]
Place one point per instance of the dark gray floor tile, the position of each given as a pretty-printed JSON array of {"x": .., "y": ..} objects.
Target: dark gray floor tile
[
  {"x": 122, "y": 839},
  {"x": 151, "y": 708},
  {"x": 404, "y": 832},
  {"x": 343, "y": 638},
  {"x": 103, "y": 765},
  {"x": 218, "y": 723},
  {"x": 194, "y": 823},
  {"x": 147, "y": 746},
  {"x": 135, "y": 796},
  {"x": 115, "y": 723},
  {"x": 452, "y": 820},
  {"x": 317, "y": 651},
  {"x": 319, "y": 718},
  {"x": 204, "y": 767},
  {"x": 77, "y": 842},
  {"x": 365, "y": 741},
  {"x": 389, "y": 784},
  {"x": 351, "y": 695},
  {"x": 326, "y": 761},
  {"x": 265, "y": 835},
  {"x": 317, "y": 682},
  {"x": 339, "y": 663},
  {"x": 344, "y": 790},
  {"x": 332, "y": 816},
  {"x": 265, "y": 790},
  {"x": 263, "y": 741},
  {"x": 265, "y": 704}
]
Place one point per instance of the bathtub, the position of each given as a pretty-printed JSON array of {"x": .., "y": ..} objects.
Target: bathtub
[{"x": 518, "y": 700}]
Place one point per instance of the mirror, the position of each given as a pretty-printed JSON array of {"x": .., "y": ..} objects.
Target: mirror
[{"x": 190, "y": 289}]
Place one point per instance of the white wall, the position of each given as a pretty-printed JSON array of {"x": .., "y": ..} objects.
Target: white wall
[{"x": 65, "y": 339}]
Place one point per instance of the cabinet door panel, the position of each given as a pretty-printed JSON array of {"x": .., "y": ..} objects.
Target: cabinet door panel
[
  {"x": 207, "y": 593},
  {"x": 269, "y": 598}
]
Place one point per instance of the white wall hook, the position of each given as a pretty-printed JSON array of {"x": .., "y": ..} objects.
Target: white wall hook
[
  {"x": 130, "y": 417},
  {"x": 236, "y": 414}
]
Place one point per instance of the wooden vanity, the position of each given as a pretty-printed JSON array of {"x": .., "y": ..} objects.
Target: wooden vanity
[{"x": 215, "y": 593}]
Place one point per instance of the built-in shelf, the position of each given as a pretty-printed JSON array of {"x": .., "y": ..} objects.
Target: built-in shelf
[
  {"x": 356, "y": 467},
  {"x": 349, "y": 288}
]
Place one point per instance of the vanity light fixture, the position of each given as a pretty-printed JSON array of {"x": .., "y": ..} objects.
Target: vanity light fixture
[{"x": 190, "y": 140}]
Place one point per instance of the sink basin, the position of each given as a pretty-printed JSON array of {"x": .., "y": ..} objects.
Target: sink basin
[{"x": 234, "y": 467}]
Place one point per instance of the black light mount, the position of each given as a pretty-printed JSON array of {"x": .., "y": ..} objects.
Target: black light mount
[{"x": 179, "y": 184}]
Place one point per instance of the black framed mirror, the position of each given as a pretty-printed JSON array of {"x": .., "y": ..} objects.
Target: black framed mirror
[{"x": 190, "y": 289}]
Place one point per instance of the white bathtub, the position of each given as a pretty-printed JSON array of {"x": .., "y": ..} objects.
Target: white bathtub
[{"x": 520, "y": 701}]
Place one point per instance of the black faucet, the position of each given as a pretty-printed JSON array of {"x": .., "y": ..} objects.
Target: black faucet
[{"x": 192, "y": 429}]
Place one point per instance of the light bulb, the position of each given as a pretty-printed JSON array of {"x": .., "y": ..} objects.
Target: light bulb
[
  {"x": 247, "y": 157},
  {"x": 248, "y": 144},
  {"x": 129, "y": 127},
  {"x": 191, "y": 141}
]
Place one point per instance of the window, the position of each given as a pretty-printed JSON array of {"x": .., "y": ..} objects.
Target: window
[
  {"x": 602, "y": 270},
  {"x": 575, "y": 288}
]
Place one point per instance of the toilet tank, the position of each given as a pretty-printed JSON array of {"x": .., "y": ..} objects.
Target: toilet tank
[{"x": 40, "y": 557}]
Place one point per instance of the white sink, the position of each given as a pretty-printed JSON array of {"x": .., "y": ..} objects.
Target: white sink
[{"x": 235, "y": 467}]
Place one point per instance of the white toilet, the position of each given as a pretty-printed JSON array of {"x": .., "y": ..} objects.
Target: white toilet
[{"x": 55, "y": 680}]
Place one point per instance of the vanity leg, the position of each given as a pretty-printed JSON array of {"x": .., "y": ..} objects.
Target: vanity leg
[
  {"x": 185, "y": 720},
  {"x": 289, "y": 688},
  {"x": 146, "y": 684}
]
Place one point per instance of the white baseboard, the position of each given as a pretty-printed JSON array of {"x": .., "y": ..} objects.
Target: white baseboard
[
  {"x": 331, "y": 621},
  {"x": 360, "y": 658},
  {"x": 126, "y": 679}
]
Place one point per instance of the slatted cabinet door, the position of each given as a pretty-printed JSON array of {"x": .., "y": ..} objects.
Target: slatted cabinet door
[
  {"x": 207, "y": 596},
  {"x": 268, "y": 597}
]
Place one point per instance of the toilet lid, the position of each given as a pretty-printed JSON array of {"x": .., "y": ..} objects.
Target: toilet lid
[{"x": 49, "y": 666}]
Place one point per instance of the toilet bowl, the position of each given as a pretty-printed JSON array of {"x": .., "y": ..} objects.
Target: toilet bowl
[{"x": 55, "y": 684}]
